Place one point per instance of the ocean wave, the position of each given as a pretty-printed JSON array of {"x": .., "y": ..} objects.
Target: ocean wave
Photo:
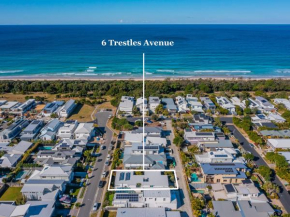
[
  {"x": 164, "y": 70},
  {"x": 10, "y": 71},
  {"x": 222, "y": 71},
  {"x": 92, "y": 67},
  {"x": 283, "y": 71},
  {"x": 148, "y": 73},
  {"x": 111, "y": 73}
]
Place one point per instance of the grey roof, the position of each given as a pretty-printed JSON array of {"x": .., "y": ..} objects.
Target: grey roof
[
  {"x": 169, "y": 103},
  {"x": 6, "y": 210},
  {"x": 21, "y": 147},
  {"x": 159, "y": 193},
  {"x": 32, "y": 126},
  {"x": 40, "y": 208},
  {"x": 12, "y": 159},
  {"x": 68, "y": 104},
  {"x": 223, "y": 143},
  {"x": 222, "y": 168},
  {"x": 148, "y": 130},
  {"x": 142, "y": 212}
]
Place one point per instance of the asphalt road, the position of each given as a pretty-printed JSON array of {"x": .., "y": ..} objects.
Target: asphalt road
[
  {"x": 284, "y": 195},
  {"x": 94, "y": 193}
]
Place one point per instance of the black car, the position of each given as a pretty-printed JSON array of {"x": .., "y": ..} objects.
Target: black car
[{"x": 101, "y": 184}]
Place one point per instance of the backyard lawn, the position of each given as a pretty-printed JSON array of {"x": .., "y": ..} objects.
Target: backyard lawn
[{"x": 11, "y": 194}]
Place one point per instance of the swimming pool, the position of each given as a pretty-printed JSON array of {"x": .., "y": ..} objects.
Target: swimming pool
[
  {"x": 21, "y": 174},
  {"x": 45, "y": 147}
]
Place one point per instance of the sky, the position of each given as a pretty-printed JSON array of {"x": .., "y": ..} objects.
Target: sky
[{"x": 25, "y": 12}]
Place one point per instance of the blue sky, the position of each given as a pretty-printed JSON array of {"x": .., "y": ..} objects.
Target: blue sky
[{"x": 144, "y": 12}]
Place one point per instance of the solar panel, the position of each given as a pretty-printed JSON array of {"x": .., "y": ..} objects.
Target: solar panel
[
  {"x": 130, "y": 197},
  {"x": 220, "y": 155},
  {"x": 121, "y": 176},
  {"x": 148, "y": 147},
  {"x": 229, "y": 188},
  {"x": 246, "y": 181},
  {"x": 128, "y": 176}
]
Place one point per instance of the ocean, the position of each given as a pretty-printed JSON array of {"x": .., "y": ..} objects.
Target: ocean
[{"x": 198, "y": 51}]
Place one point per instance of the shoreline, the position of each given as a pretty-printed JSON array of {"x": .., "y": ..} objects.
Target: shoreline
[{"x": 97, "y": 78}]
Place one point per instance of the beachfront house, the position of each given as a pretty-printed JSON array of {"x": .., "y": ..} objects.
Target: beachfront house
[
  {"x": 265, "y": 105},
  {"x": 181, "y": 104},
  {"x": 67, "y": 109},
  {"x": 32, "y": 130},
  {"x": 153, "y": 103},
  {"x": 208, "y": 104},
  {"x": 126, "y": 105},
  {"x": 139, "y": 104},
  {"x": 225, "y": 103},
  {"x": 193, "y": 103},
  {"x": 51, "y": 108},
  {"x": 169, "y": 105},
  {"x": 237, "y": 102},
  {"x": 22, "y": 108}
]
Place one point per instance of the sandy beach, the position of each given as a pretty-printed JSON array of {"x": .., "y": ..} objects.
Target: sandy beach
[{"x": 98, "y": 78}]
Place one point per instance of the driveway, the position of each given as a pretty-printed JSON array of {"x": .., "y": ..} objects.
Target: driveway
[
  {"x": 93, "y": 192},
  {"x": 185, "y": 205},
  {"x": 284, "y": 195}
]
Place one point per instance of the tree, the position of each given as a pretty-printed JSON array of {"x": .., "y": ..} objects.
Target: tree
[
  {"x": 266, "y": 172},
  {"x": 159, "y": 109},
  {"x": 178, "y": 140},
  {"x": 54, "y": 115},
  {"x": 249, "y": 157}
]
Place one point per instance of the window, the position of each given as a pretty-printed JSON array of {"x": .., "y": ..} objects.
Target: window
[{"x": 218, "y": 180}]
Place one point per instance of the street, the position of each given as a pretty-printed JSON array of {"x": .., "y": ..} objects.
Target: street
[
  {"x": 284, "y": 195},
  {"x": 93, "y": 193},
  {"x": 183, "y": 192}
]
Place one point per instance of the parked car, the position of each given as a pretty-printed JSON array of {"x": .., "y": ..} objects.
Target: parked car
[
  {"x": 104, "y": 174},
  {"x": 103, "y": 147},
  {"x": 101, "y": 184},
  {"x": 96, "y": 206},
  {"x": 252, "y": 145}
]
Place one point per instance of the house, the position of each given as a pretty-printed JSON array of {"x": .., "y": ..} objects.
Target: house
[
  {"x": 237, "y": 102},
  {"x": 56, "y": 157},
  {"x": 149, "y": 131},
  {"x": 226, "y": 155},
  {"x": 54, "y": 172},
  {"x": 69, "y": 144},
  {"x": 155, "y": 156},
  {"x": 10, "y": 160},
  {"x": 7, "y": 106},
  {"x": 194, "y": 137},
  {"x": 146, "y": 212},
  {"x": 20, "y": 148},
  {"x": 199, "y": 120},
  {"x": 13, "y": 130},
  {"x": 154, "y": 102},
  {"x": 252, "y": 103},
  {"x": 11, "y": 210},
  {"x": 41, "y": 208},
  {"x": 66, "y": 110},
  {"x": 278, "y": 144},
  {"x": 32, "y": 130},
  {"x": 181, "y": 104},
  {"x": 208, "y": 104},
  {"x": 241, "y": 209},
  {"x": 139, "y": 104},
  {"x": 126, "y": 105},
  {"x": 163, "y": 198},
  {"x": 276, "y": 118},
  {"x": 225, "y": 103},
  {"x": 284, "y": 102},
  {"x": 223, "y": 172},
  {"x": 243, "y": 191},
  {"x": 194, "y": 104},
  {"x": 149, "y": 179},
  {"x": 169, "y": 105},
  {"x": 42, "y": 189},
  {"x": 51, "y": 108},
  {"x": 67, "y": 130},
  {"x": 85, "y": 131},
  {"x": 265, "y": 105},
  {"x": 275, "y": 133},
  {"x": 260, "y": 118},
  {"x": 214, "y": 145},
  {"x": 21, "y": 108},
  {"x": 49, "y": 131}
]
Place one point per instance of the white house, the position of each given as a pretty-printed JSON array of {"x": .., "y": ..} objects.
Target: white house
[
  {"x": 225, "y": 103},
  {"x": 66, "y": 110},
  {"x": 85, "y": 131},
  {"x": 49, "y": 131},
  {"x": 265, "y": 105},
  {"x": 139, "y": 104},
  {"x": 67, "y": 130},
  {"x": 126, "y": 105},
  {"x": 153, "y": 103},
  {"x": 236, "y": 101},
  {"x": 195, "y": 105},
  {"x": 284, "y": 102},
  {"x": 181, "y": 104}
]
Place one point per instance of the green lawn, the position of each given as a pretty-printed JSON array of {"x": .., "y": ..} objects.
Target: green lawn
[{"x": 11, "y": 194}]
